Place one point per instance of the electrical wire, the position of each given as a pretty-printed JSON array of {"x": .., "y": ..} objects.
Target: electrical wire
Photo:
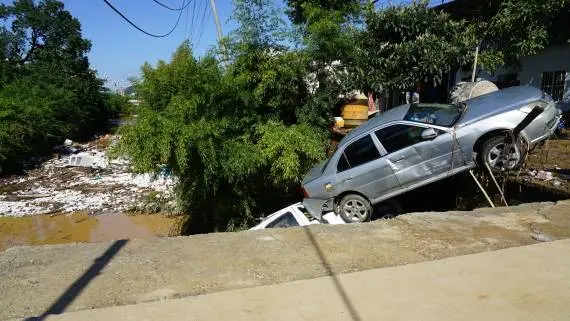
[
  {"x": 186, "y": 25},
  {"x": 203, "y": 24},
  {"x": 173, "y": 9},
  {"x": 192, "y": 22},
  {"x": 140, "y": 29}
]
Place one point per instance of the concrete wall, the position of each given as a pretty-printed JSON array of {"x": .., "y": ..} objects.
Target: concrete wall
[{"x": 553, "y": 58}]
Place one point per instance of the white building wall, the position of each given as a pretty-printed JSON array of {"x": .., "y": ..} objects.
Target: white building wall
[{"x": 553, "y": 58}]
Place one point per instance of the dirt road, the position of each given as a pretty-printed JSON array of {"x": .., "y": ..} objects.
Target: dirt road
[{"x": 83, "y": 276}]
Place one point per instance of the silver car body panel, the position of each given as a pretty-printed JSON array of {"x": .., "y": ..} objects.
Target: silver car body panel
[{"x": 452, "y": 151}]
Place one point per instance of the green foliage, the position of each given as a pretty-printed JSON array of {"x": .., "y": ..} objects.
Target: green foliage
[
  {"x": 231, "y": 136},
  {"x": 401, "y": 46},
  {"x": 298, "y": 9},
  {"x": 116, "y": 104},
  {"x": 47, "y": 91}
]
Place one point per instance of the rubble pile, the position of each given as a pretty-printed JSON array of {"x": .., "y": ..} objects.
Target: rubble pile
[{"x": 82, "y": 178}]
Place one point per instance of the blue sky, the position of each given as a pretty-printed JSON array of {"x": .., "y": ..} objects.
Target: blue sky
[{"x": 118, "y": 50}]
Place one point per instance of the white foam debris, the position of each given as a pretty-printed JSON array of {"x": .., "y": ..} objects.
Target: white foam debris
[{"x": 110, "y": 185}]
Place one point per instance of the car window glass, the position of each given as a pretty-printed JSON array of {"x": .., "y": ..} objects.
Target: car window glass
[
  {"x": 437, "y": 114},
  {"x": 359, "y": 152},
  {"x": 305, "y": 212},
  {"x": 342, "y": 164},
  {"x": 287, "y": 220},
  {"x": 397, "y": 137}
]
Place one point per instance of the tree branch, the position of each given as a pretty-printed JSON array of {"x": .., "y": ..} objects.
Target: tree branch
[{"x": 32, "y": 47}]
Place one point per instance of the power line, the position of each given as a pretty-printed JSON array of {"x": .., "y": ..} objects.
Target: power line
[
  {"x": 203, "y": 23},
  {"x": 186, "y": 25},
  {"x": 140, "y": 29},
  {"x": 192, "y": 22},
  {"x": 173, "y": 9}
]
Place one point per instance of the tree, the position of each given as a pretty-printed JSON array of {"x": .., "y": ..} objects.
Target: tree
[
  {"x": 233, "y": 136},
  {"x": 402, "y": 45},
  {"x": 46, "y": 86},
  {"x": 512, "y": 29},
  {"x": 298, "y": 8}
]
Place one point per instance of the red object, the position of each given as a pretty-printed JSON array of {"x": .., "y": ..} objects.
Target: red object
[
  {"x": 371, "y": 105},
  {"x": 305, "y": 194}
]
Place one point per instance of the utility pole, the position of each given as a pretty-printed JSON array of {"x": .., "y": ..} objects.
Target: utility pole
[
  {"x": 218, "y": 28},
  {"x": 474, "y": 62}
]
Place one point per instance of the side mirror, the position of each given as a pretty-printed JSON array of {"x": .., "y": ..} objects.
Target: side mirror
[{"x": 429, "y": 133}]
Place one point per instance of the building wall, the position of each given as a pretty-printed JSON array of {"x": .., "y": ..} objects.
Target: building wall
[{"x": 551, "y": 59}]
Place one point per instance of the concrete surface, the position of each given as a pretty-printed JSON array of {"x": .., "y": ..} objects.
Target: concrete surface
[
  {"x": 525, "y": 283},
  {"x": 75, "y": 277}
]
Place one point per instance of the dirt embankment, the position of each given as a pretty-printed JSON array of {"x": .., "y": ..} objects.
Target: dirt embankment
[{"x": 84, "y": 276}]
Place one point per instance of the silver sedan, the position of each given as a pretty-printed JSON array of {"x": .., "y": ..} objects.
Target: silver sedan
[{"x": 414, "y": 145}]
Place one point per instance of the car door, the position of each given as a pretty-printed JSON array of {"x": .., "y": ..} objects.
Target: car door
[
  {"x": 412, "y": 158},
  {"x": 361, "y": 168}
]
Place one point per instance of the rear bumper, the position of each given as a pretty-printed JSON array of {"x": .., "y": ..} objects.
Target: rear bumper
[{"x": 316, "y": 206}]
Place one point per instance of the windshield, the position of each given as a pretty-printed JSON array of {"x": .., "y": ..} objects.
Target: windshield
[{"x": 436, "y": 114}]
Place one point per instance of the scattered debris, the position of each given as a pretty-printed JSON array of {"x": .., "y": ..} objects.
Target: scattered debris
[
  {"x": 541, "y": 237},
  {"x": 87, "y": 181},
  {"x": 94, "y": 160},
  {"x": 544, "y": 175}
]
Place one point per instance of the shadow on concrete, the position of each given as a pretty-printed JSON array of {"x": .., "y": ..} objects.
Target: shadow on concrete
[
  {"x": 340, "y": 289},
  {"x": 81, "y": 283}
]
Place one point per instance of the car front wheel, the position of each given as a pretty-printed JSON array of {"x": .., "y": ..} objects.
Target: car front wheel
[
  {"x": 354, "y": 208},
  {"x": 497, "y": 158}
]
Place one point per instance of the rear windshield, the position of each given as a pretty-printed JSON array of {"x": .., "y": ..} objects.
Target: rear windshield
[{"x": 436, "y": 114}]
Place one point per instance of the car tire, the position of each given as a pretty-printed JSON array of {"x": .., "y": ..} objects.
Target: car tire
[
  {"x": 387, "y": 210},
  {"x": 491, "y": 150},
  {"x": 354, "y": 208}
]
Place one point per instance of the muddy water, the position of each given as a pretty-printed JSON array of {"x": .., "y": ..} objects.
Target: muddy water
[{"x": 80, "y": 227}]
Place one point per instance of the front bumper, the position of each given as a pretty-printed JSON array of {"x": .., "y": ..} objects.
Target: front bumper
[
  {"x": 316, "y": 206},
  {"x": 549, "y": 129}
]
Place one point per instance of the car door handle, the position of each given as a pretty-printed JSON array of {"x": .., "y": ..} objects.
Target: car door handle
[
  {"x": 347, "y": 180},
  {"x": 398, "y": 159}
]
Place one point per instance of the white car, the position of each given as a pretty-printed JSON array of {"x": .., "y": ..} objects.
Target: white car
[{"x": 293, "y": 216}]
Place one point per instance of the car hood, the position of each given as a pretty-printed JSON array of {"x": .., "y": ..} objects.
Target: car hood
[{"x": 315, "y": 172}]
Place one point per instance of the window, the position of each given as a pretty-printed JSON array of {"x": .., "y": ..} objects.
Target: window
[
  {"x": 553, "y": 83},
  {"x": 357, "y": 153},
  {"x": 397, "y": 137},
  {"x": 342, "y": 164},
  {"x": 438, "y": 114},
  {"x": 287, "y": 220}
]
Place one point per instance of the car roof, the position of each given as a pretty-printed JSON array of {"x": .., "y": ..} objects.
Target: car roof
[{"x": 393, "y": 114}]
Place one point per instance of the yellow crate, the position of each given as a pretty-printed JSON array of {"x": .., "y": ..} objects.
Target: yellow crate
[{"x": 354, "y": 112}]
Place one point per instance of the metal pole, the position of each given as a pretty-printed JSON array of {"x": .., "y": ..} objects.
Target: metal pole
[
  {"x": 218, "y": 27},
  {"x": 497, "y": 184},
  {"x": 482, "y": 189},
  {"x": 474, "y": 63}
]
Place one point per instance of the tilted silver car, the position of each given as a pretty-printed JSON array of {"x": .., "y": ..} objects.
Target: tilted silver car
[{"x": 413, "y": 145}]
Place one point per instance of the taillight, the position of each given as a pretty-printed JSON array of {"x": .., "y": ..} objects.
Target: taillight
[{"x": 305, "y": 194}]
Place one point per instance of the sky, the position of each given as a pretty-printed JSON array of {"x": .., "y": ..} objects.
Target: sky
[{"x": 119, "y": 50}]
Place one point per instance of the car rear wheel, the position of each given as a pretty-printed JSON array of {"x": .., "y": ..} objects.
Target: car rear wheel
[
  {"x": 354, "y": 208},
  {"x": 495, "y": 156}
]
